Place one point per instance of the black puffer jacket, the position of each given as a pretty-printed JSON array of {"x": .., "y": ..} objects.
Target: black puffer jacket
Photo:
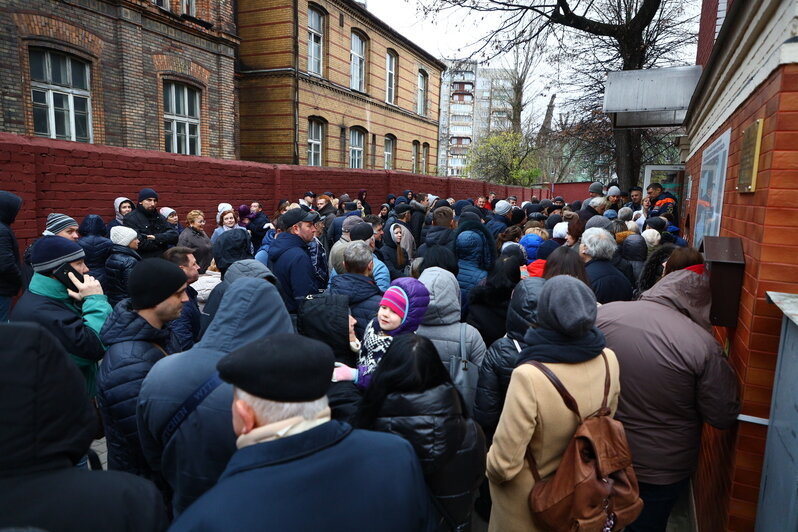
[
  {"x": 134, "y": 348},
  {"x": 151, "y": 223},
  {"x": 436, "y": 235},
  {"x": 500, "y": 361},
  {"x": 635, "y": 251},
  {"x": 117, "y": 270},
  {"x": 95, "y": 245},
  {"x": 450, "y": 447},
  {"x": 364, "y": 297},
  {"x": 10, "y": 273}
]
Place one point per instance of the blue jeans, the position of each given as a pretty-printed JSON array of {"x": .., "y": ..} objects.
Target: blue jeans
[
  {"x": 658, "y": 502},
  {"x": 5, "y": 306}
]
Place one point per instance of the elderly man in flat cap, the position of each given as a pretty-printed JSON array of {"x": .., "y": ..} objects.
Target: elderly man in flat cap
[{"x": 295, "y": 468}]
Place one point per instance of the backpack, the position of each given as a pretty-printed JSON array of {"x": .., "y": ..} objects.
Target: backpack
[{"x": 595, "y": 487}]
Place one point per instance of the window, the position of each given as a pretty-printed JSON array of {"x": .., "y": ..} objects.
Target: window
[
  {"x": 414, "y": 157},
  {"x": 425, "y": 158},
  {"x": 461, "y": 108},
  {"x": 315, "y": 41},
  {"x": 356, "y": 141},
  {"x": 391, "y": 60},
  {"x": 462, "y": 98},
  {"x": 357, "y": 67},
  {"x": 388, "y": 151},
  {"x": 462, "y": 130},
  {"x": 163, "y": 4},
  {"x": 464, "y": 141},
  {"x": 61, "y": 97},
  {"x": 181, "y": 118},
  {"x": 315, "y": 142},
  {"x": 422, "y": 93},
  {"x": 190, "y": 8}
]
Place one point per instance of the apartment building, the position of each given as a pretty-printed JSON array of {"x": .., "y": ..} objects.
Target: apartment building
[
  {"x": 327, "y": 83},
  {"x": 475, "y": 103},
  {"x": 150, "y": 74}
]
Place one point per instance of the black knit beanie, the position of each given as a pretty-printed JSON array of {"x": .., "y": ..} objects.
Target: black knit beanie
[{"x": 153, "y": 281}]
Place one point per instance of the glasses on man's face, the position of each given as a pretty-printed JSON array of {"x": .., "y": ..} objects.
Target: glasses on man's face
[{"x": 201, "y": 221}]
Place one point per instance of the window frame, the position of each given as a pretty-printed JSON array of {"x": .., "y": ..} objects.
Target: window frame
[
  {"x": 355, "y": 150},
  {"x": 422, "y": 93},
  {"x": 315, "y": 143},
  {"x": 175, "y": 119},
  {"x": 389, "y": 156},
  {"x": 425, "y": 158},
  {"x": 319, "y": 34},
  {"x": 414, "y": 156},
  {"x": 357, "y": 73},
  {"x": 50, "y": 88},
  {"x": 391, "y": 77},
  {"x": 189, "y": 7}
]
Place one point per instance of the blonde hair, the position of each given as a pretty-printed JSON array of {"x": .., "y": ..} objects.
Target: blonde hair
[
  {"x": 193, "y": 215},
  {"x": 542, "y": 233}
]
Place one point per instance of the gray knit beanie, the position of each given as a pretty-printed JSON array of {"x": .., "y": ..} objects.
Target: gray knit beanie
[{"x": 567, "y": 305}]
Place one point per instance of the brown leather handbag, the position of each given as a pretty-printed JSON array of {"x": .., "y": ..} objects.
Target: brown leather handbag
[{"x": 595, "y": 487}]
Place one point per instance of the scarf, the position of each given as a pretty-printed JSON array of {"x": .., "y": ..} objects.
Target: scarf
[
  {"x": 546, "y": 345},
  {"x": 282, "y": 429}
]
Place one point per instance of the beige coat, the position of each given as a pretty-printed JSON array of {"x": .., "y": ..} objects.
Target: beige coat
[{"x": 535, "y": 416}]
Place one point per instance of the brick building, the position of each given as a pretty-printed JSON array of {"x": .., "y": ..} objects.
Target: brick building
[
  {"x": 145, "y": 74},
  {"x": 327, "y": 83}
]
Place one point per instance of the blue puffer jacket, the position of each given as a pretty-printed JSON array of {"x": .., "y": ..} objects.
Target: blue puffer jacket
[
  {"x": 476, "y": 252},
  {"x": 186, "y": 329},
  {"x": 497, "y": 225},
  {"x": 134, "y": 348},
  {"x": 364, "y": 298},
  {"x": 289, "y": 260},
  {"x": 95, "y": 245},
  {"x": 117, "y": 270}
]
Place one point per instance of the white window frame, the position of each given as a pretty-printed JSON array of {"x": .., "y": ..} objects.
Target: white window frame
[
  {"x": 424, "y": 158},
  {"x": 414, "y": 157},
  {"x": 357, "y": 63},
  {"x": 356, "y": 149},
  {"x": 423, "y": 86},
  {"x": 175, "y": 119},
  {"x": 315, "y": 142},
  {"x": 49, "y": 89},
  {"x": 389, "y": 149},
  {"x": 315, "y": 43},
  {"x": 189, "y": 7},
  {"x": 391, "y": 63},
  {"x": 163, "y": 4}
]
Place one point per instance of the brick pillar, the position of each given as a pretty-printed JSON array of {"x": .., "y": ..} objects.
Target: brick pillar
[{"x": 132, "y": 89}]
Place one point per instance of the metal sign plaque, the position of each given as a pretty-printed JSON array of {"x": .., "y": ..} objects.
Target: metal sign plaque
[{"x": 749, "y": 157}]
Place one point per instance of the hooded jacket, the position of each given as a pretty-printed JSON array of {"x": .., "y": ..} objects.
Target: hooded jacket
[
  {"x": 230, "y": 247},
  {"x": 441, "y": 322},
  {"x": 95, "y": 244},
  {"x": 363, "y": 295},
  {"x": 10, "y": 273},
  {"x": 450, "y": 447},
  {"x": 436, "y": 235},
  {"x": 194, "y": 457},
  {"x": 387, "y": 253},
  {"x": 118, "y": 218},
  {"x": 151, "y": 223},
  {"x": 502, "y": 356},
  {"x": 634, "y": 250},
  {"x": 118, "y": 266},
  {"x": 47, "y": 425},
  {"x": 289, "y": 259},
  {"x": 665, "y": 338},
  {"x": 475, "y": 250},
  {"x": 134, "y": 346}
]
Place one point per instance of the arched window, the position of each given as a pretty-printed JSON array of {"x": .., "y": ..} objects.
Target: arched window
[
  {"x": 357, "y": 147},
  {"x": 315, "y": 41},
  {"x": 423, "y": 80},
  {"x": 414, "y": 157},
  {"x": 357, "y": 67},
  {"x": 181, "y": 118},
  {"x": 61, "y": 97},
  {"x": 389, "y": 151},
  {"x": 391, "y": 76},
  {"x": 315, "y": 142},
  {"x": 425, "y": 158}
]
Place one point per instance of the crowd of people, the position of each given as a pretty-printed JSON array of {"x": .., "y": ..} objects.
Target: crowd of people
[{"x": 338, "y": 366}]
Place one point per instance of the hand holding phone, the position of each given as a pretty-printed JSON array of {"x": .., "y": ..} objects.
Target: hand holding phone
[
  {"x": 62, "y": 274},
  {"x": 78, "y": 286}
]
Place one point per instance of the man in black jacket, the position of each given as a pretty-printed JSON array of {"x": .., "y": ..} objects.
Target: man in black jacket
[
  {"x": 10, "y": 273},
  {"x": 608, "y": 283},
  {"x": 441, "y": 232},
  {"x": 187, "y": 327},
  {"x": 155, "y": 233}
]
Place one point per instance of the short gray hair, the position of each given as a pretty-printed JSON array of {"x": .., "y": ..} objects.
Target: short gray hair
[
  {"x": 272, "y": 411},
  {"x": 357, "y": 256},
  {"x": 625, "y": 214},
  {"x": 598, "y": 201},
  {"x": 599, "y": 242}
]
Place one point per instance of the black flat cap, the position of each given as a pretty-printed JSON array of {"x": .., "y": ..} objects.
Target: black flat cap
[
  {"x": 401, "y": 209},
  {"x": 287, "y": 368}
]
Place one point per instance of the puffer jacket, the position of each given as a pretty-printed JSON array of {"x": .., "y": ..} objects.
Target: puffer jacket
[
  {"x": 95, "y": 245},
  {"x": 134, "y": 348},
  {"x": 635, "y": 251},
  {"x": 436, "y": 235},
  {"x": 500, "y": 360},
  {"x": 151, "y": 223},
  {"x": 475, "y": 250},
  {"x": 363, "y": 295},
  {"x": 10, "y": 268},
  {"x": 441, "y": 324},
  {"x": 117, "y": 271},
  {"x": 450, "y": 447},
  {"x": 187, "y": 328}
]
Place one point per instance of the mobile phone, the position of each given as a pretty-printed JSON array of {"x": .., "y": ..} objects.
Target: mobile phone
[{"x": 61, "y": 272}]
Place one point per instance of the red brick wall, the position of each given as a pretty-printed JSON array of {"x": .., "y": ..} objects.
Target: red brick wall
[
  {"x": 706, "y": 31},
  {"x": 80, "y": 179},
  {"x": 731, "y": 466}
]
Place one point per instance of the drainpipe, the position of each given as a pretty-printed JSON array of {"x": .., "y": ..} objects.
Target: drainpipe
[{"x": 296, "y": 81}]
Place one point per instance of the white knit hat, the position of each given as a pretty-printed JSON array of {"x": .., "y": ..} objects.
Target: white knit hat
[{"x": 123, "y": 235}]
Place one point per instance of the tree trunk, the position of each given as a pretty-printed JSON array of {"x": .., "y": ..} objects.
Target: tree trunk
[{"x": 628, "y": 150}]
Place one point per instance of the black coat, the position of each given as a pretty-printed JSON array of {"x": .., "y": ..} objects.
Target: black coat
[
  {"x": 95, "y": 245},
  {"x": 187, "y": 328},
  {"x": 502, "y": 355},
  {"x": 387, "y": 254},
  {"x": 450, "y": 446},
  {"x": 364, "y": 297},
  {"x": 257, "y": 229},
  {"x": 436, "y": 235},
  {"x": 487, "y": 313},
  {"x": 607, "y": 282},
  {"x": 117, "y": 271},
  {"x": 417, "y": 217},
  {"x": 151, "y": 223},
  {"x": 40, "y": 486},
  {"x": 10, "y": 273},
  {"x": 134, "y": 346}
]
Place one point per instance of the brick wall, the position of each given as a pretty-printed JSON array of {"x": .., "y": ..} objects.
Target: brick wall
[
  {"x": 80, "y": 179},
  {"x": 728, "y": 478}
]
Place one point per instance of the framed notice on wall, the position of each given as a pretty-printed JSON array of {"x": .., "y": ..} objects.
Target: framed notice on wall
[
  {"x": 749, "y": 157},
  {"x": 709, "y": 202}
]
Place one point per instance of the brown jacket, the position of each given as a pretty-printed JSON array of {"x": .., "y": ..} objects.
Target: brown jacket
[
  {"x": 535, "y": 416},
  {"x": 673, "y": 375}
]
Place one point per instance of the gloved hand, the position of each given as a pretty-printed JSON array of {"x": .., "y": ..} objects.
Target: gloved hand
[{"x": 342, "y": 372}]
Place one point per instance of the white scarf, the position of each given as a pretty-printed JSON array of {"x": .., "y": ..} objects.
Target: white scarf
[{"x": 282, "y": 429}]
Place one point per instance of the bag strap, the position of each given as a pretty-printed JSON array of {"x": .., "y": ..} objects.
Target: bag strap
[
  {"x": 462, "y": 344},
  {"x": 189, "y": 405},
  {"x": 567, "y": 398},
  {"x": 606, "y": 382},
  {"x": 161, "y": 349}
]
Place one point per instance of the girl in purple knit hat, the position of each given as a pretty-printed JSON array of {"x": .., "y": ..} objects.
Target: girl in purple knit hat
[{"x": 401, "y": 310}]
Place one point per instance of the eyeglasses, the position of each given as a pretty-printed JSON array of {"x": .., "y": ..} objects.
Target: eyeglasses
[{"x": 199, "y": 221}]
